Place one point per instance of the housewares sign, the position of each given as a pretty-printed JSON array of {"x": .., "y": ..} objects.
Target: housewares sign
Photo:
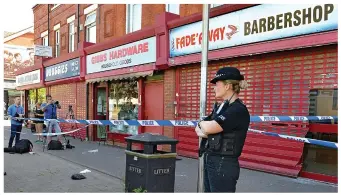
[
  {"x": 63, "y": 70},
  {"x": 140, "y": 52},
  {"x": 255, "y": 24},
  {"x": 28, "y": 78}
]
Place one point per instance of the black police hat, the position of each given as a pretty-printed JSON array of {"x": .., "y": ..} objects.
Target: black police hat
[{"x": 227, "y": 73}]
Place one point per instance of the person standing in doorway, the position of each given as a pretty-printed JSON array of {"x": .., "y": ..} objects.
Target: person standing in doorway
[{"x": 15, "y": 110}]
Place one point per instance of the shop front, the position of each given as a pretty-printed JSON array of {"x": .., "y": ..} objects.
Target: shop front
[
  {"x": 31, "y": 82},
  {"x": 285, "y": 52},
  {"x": 64, "y": 80},
  {"x": 117, "y": 82}
]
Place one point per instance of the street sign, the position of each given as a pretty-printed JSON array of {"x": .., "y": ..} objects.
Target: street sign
[{"x": 43, "y": 51}]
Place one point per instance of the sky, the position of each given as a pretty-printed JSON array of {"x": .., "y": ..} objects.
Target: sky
[{"x": 17, "y": 17}]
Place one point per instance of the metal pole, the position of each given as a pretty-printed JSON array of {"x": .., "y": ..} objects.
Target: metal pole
[{"x": 203, "y": 89}]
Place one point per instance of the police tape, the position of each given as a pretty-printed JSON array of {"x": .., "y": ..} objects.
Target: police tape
[
  {"x": 298, "y": 139},
  {"x": 185, "y": 123},
  {"x": 193, "y": 123},
  {"x": 61, "y": 133}
]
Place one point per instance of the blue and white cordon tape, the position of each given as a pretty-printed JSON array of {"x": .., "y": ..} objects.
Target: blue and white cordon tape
[
  {"x": 299, "y": 139},
  {"x": 184, "y": 123}
]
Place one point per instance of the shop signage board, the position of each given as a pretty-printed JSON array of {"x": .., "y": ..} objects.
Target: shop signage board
[
  {"x": 136, "y": 53},
  {"x": 255, "y": 24}
]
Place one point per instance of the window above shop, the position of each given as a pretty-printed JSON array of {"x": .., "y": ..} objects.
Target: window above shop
[
  {"x": 173, "y": 8},
  {"x": 71, "y": 37},
  {"x": 72, "y": 32},
  {"x": 134, "y": 17},
  {"x": 215, "y": 5},
  {"x": 90, "y": 24},
  {"x": 45, "y": 40},
  {"x": 57, "y": 43},
  {"x": 90, "y": 18},
  {"x": 54, "y": 6}
]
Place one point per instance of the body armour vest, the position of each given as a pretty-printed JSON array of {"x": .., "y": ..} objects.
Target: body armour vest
[{"x": 231, "y": 140}]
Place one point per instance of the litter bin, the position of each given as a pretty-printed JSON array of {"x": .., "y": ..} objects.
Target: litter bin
[{"x": 150, "y": 170}]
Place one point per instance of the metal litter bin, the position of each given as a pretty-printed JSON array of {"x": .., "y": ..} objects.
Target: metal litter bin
[{"x": 150, "y": 170}]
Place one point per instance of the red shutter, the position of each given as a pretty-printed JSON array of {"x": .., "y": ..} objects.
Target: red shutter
[{"x": 279, "y": 84}]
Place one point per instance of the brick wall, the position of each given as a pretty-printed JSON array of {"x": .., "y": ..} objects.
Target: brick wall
[
  {"x": 149, "y": 12},
  {"x": 66, "y": 96},
  {"x": 169, "y": 98},
  {"x": 71, "y": 94},
  {"x": 189, "y": 9},
  {"x": 111, "y": 21},
  {"x": 91, "y": 108}
]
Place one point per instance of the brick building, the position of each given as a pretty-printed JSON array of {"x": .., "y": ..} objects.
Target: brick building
[{"x": 143, "y": 62}]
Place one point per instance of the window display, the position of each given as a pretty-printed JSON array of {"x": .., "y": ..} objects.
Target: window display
[
  {"x": 35, "y": 96},
  {"x": 123, "y": 105}
]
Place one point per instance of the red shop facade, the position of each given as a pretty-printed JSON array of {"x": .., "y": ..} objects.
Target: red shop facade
[
  {"x": 64, "y": 79},
  {"x": 291, "y": 67},
  {"x": 125, "y": 77}
]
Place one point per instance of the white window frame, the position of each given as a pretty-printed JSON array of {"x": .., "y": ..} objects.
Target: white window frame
[
  {"x": 55, "y": 6},
  {"x": 45, "y": 40},
  {"x": 57, "y": 42},
  {"x": 132, "y": 17},
  {"x": 90, "y": 25},
  {"x": 216, "y": 5},
  {"x": 172, "y": 11},
  {"x": 72, "y": 36}
]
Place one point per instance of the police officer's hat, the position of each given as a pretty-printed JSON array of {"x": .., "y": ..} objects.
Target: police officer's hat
[{"x": 227, "y": 73}]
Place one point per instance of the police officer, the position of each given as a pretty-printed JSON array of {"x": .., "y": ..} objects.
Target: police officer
[{"x": 224, "y": 132}]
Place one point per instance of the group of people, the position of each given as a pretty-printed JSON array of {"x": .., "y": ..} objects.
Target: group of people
[
  {"x": 46, "y": 110},
  {"x": 13, "y": 61}
]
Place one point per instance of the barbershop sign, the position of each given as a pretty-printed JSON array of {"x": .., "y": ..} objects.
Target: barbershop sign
[
  {"x": 28, "y": 78},
  {"x": 63, "y": 70},
  {"x": 255, "y": 24},
  {"x": 139, "y": 52}
]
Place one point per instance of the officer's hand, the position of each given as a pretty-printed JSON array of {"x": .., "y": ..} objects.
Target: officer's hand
[{"x": 199, "y": 132}]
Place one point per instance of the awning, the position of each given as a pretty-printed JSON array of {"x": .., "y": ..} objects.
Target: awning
[{"x": 122, "y": 76}]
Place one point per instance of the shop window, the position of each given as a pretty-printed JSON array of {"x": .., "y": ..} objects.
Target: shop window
[
  {"x": 35, "y": 96},
  {"x": 71, "y": 37},
  {"x": 319, "y": 159},
  {"x": 123, "y": 105},
  {"x": 173, "y": 8},
  {"x": 90, "y": 24},
  {"x": 134, "y": 17}
]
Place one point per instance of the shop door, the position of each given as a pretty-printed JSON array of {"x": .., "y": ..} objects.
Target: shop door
[
  {"x": 154, "y": 105},
  {"x": 100, "y": 112}
]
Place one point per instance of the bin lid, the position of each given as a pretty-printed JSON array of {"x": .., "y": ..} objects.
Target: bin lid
[{"x": 150, "y": 138}]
